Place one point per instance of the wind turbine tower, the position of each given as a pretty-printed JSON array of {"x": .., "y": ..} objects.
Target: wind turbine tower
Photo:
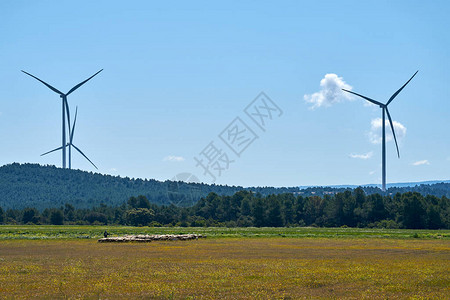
[{"x": 70, "y": 144}]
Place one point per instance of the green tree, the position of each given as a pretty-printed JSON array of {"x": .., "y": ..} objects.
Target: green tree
[
  {"x": 2, "y": 218},
  {"x": 93, "y": 217},
  {"x": 132, "y": 202},
  {"x": 119, "y": 214},
  {"x": 433, "y": 217},
  {"x": 258, "y": 213},
  {"x": 288, "y": 208},
  {"x": 69, "y": 212},
  {"x": 184, "y": 215},
  {"x": 375, "y": 208},
  {"x": 211, "y": 207},
  {"x": 12, "y": 216},
  {"x": 392, "y": 206},
  {"x": 298, "y": 210},
  {"x": 140, "y": 216},
  {"x": 334, "y": 210},
  {"x": 56, "y": 217},
  {"x": 348, "y": 209},
  {"x": 313, "y": 210},
  {"x": 246, "y": 208},
  {"x": 30, "y": 215},
  {"x": 444, "y": 208},
  {"x": 274, "y": 217},
  {"x": 360, "y": 196},
  {"x": 236, "y": 204},
  {"x": 142, "y": 202},
  {"x": 413, "y": 211}
]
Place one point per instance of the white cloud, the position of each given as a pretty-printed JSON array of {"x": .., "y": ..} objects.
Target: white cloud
[
  {"x": 421, "y": 162},
  {"x": 113, "y": 170},
  {"x": 331, "y": 92},
  {"x": 174, "y": 158},
  {"x": 375, "y": 131},
  {"x": 362, "y": 156},
  {"x": 371, "y": 172}
]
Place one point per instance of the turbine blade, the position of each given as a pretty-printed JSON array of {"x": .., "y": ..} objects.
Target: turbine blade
[
  {"x": 66, "y": 103},
  {"x": 397, "y": 92},
  {"x": 84, "y": 155},
  {"x": 367, "y": 98},
  {"x": 52, "y": 151},
  {"x": 73, "y": 127},
  {"x": 81, "y": 83},
  {"x": 393, "y": 132},
  {"x": 48, "y": 85}
]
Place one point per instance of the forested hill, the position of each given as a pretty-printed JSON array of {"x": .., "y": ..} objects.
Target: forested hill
[{"x": 33, "y": 185}]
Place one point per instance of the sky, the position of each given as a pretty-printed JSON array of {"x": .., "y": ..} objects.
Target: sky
[{"x": 239, "y": 92}]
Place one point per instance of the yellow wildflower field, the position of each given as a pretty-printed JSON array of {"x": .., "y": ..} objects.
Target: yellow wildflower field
[{"x": 227, "y": 268}]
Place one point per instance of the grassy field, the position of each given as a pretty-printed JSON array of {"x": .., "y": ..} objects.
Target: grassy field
[
  {"x": 288, "y": 263},
  {"x": 93, "y": 232}
]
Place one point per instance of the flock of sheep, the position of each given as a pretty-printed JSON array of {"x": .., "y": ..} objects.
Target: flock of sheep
[{"x": 148, "y": 238}]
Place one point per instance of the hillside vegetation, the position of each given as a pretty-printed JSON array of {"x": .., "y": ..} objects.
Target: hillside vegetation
[
  {"x": 41, "y": 187},
  {"x": 33, "y": 185}
]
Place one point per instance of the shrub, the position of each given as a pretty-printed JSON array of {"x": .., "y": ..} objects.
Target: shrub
[
  {"x": 244, "y": 221},
  {"x": 387, "y": 224},
  {"x": 154, "y": 224}
]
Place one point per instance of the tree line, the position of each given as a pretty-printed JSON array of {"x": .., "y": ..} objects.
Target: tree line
[{"x": 248, "y": 209}]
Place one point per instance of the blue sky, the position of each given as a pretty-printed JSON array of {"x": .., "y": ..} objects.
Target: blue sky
[{"x": 176, "y": 74}]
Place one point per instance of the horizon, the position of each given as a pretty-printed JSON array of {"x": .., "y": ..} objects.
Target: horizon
[{"x": 178, "y": 79}]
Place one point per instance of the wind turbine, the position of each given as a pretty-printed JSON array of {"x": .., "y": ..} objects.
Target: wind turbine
[
  {"x": 70, "y": 144},
  {"x": 384, "y": 109},
  {"x": 65, "y": 109}
]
